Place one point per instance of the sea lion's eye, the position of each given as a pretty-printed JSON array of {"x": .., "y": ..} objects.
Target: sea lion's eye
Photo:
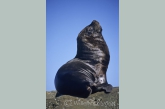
[{"x": 90, "y": 30}]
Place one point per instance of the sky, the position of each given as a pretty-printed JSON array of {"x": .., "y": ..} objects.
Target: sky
[{"x": 65, "y": 19}]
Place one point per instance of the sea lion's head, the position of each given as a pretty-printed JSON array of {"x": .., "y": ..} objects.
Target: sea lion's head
[{"x": 91, "y": 33}]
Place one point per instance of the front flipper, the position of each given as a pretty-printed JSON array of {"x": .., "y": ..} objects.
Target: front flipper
[{"x": 106, "y": 87}]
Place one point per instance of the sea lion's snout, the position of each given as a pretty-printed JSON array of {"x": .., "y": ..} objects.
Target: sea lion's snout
[
  {"x": 94, "y": 29},
  {"x": 95, "y": 24}
]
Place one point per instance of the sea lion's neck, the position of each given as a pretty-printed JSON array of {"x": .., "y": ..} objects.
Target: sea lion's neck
[
  {"x": 96, "y": 56},
  {"x": 93, "y": 56}
]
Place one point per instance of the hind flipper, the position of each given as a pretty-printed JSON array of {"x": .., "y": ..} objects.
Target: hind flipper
[{"x": 57, "y": 94}]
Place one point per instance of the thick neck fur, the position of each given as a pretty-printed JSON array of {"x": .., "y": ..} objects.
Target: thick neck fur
[{"x": 92, "y": 48}]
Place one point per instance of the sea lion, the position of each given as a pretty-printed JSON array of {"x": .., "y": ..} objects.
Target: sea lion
[{"x": 86, "y": 73}]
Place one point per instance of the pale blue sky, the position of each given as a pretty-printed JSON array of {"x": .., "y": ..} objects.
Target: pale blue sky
[{"x": 65, "y": 19}]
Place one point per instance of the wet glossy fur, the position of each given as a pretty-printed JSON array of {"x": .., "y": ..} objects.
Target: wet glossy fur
[{"x": 86, "y": 73}]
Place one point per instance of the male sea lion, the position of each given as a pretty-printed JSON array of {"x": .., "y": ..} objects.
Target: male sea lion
[{"x": 86, "y": 73}]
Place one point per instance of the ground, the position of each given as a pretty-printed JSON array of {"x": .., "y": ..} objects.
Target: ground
[{"x": 99, "y": 100}]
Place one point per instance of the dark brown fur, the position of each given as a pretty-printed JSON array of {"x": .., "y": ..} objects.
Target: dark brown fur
[{"x": 86, "y": 73}]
